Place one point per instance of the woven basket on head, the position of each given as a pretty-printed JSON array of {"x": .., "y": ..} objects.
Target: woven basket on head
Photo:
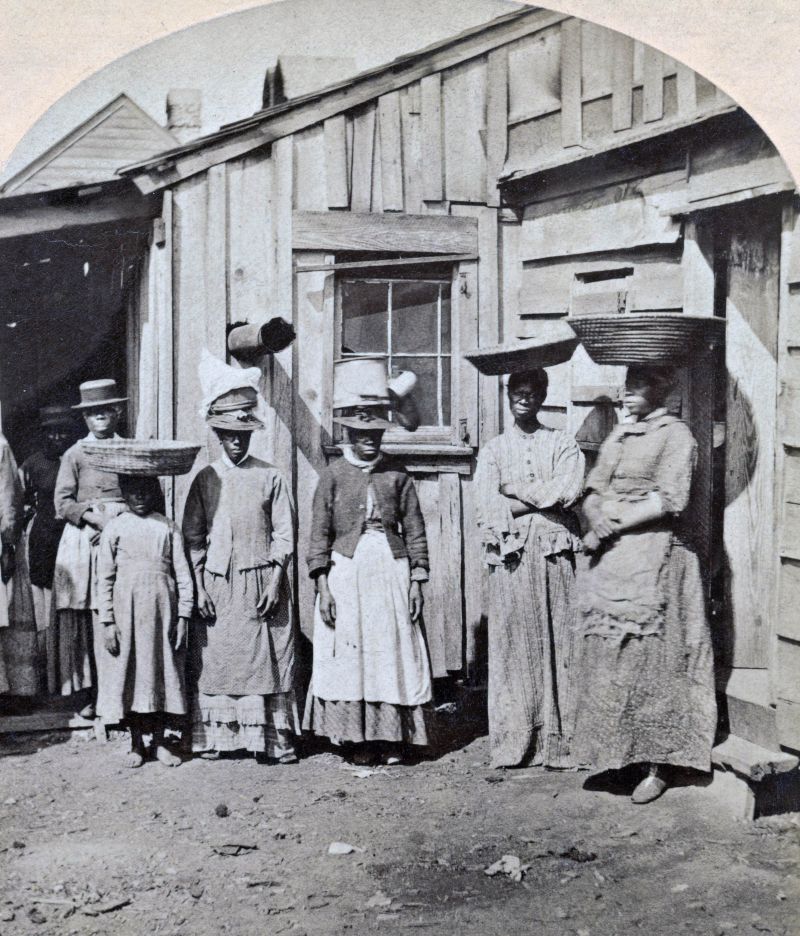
[
  {"x": 554, "y": 344},
  {"x": 658, "y": 338},
  {"x": 146, "y": 458}
]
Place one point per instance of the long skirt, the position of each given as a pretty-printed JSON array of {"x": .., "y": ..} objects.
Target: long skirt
[
  {"x": 243, "y": 668},
  {"x": 371, "y": 678},
  {"x": 359, "y": 722},
  {"x": 650, "y": 699},
  {"x": 19, "y": 642},
  {"x": 71, "y": 651},
  {"x": 532, "y": 647},
  {"x": 78, "y": 641}
]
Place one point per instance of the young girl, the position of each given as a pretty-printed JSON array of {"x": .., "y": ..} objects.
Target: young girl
[{"x": 145, "y": 597}]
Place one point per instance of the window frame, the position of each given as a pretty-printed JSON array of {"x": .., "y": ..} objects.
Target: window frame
[{"x": 444, "y": 439}]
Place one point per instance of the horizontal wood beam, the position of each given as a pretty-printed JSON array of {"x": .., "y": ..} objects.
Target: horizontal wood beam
[
  {"x": 22, "y": 217},
  {"x": 382, "y": 264},
  {"x": 395, "y": 233},
  {"x": 262, "y": 130}
]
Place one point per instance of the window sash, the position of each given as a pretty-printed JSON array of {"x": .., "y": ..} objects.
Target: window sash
[{"x": 442, "y": 431}]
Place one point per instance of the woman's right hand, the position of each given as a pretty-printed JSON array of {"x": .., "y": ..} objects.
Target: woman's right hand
[
  {"x": 327, "y": 606},
  {"x": 111, "y": 639},
  {"x": 600, "y": 524},
  {"x": 205, "y": 606}
]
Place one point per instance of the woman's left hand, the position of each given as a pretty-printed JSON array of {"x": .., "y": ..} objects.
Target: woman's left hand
[
  {"x": 177, "y": 633},
  {"x": 510, "y": 490},
  {"x": 268, "y": 602},
  {"x": 415, "y": 600}
]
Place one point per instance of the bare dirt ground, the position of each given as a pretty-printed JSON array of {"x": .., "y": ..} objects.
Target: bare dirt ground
[{"x": 91, "y": 847}]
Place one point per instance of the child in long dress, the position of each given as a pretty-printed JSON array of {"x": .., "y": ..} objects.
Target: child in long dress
[{"x": 145, "y": 596}]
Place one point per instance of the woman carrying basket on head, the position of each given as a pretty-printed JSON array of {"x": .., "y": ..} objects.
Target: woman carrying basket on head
[
  {"x": 648, "y": 679},
  {"x": 238, "y": 527},
  {"x": 371, "y": 681}
]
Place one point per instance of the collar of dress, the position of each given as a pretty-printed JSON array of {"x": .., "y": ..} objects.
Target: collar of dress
[
  {"x": 528, "y": 436},
  {"x": 228, "y": 464},
  {"x": 659, "y": 417},
  {"x": 351, "y": 457},
  {"x": 91, "y": 436}
]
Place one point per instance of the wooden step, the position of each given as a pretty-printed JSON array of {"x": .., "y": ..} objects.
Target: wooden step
[{"x": 751, "y": 760}]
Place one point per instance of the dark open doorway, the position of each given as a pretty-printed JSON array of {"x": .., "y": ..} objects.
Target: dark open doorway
[{"x": 62, "y": 319}]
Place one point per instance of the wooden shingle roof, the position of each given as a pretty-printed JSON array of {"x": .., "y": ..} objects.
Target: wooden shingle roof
[{"x": 118, "y": 134}]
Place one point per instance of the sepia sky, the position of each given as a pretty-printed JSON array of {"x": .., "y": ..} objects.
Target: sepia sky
[{"x": 65, "y": 55}]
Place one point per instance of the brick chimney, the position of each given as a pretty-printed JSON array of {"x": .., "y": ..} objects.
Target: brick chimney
[{"x": 184, "y": 113}]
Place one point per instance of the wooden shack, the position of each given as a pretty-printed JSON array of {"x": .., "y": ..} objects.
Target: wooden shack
[{"x": 524, "y": 170}]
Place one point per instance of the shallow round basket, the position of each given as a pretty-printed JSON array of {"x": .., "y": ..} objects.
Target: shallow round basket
[
  {"x": 149, "y": 458},
  {"x": 655, "y": 338},
  {"x": 555, "y": 344}
]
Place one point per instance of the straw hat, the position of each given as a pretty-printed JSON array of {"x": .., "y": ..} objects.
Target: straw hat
[
  {"x": 56, "y": 416},
  {"x": 96, "y": 394},
  {"x": 234, "y": 411},
  {"x": 230, "y": 394}
]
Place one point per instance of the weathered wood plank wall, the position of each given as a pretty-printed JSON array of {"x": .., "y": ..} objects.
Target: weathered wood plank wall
[
  {"x": 436, "y": 147},
  {"x": 785, "y": 649}
]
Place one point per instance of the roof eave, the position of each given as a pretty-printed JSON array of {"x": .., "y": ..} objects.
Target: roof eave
[{"x": 264, "y": 127}]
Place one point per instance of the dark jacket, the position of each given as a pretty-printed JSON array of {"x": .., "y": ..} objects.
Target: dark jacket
[{"x": 339, "y": 513}]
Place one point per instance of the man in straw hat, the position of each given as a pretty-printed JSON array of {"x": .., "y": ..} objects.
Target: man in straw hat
[
  {"x": 238, "y": 527},
  {"x": 86, "y": 498}
]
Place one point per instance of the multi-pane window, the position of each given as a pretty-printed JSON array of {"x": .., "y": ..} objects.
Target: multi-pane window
[{"x": 407, "y": 321}]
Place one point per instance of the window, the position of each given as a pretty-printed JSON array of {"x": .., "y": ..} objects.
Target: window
[{"x": 407, "y": 321}]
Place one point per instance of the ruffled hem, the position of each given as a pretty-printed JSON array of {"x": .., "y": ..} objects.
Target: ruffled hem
[{"x": 259, "y": 724}]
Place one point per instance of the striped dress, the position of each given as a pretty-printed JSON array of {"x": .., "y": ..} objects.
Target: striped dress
[{"x": 531, "y": 627}]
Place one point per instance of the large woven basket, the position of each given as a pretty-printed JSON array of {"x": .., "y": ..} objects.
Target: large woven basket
[
  {"x": 554, "y": 344},
  {"x": 659, "y": 338},
  {"x": 146, "y": 458}
]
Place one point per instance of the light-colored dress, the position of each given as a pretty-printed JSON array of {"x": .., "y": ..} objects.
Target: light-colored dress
[
  {"x": 238, "y": 527},
  {"x": 647, "y": 675},
  {"x": 371, "y": 678},
  {"x": 79, "y": 487},
  {"x": 143, "y": 585},
  {"x": 531, "y": 626}
]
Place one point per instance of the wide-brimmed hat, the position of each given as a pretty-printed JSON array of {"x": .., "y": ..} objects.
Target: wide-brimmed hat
[
  {"x": 363, "y": 417},
  {"x": 96, "y": 394},
  {"x": 56, "y": 416},
  {"x": 234, "y": 411}
]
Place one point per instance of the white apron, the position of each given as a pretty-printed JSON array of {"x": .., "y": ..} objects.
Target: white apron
[
  {"x": 75, "y": 572},
  {"x": 375, "y": 653}
]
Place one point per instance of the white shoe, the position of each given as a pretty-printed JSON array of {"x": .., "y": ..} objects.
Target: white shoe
[{"x": 653, "y": 785}]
